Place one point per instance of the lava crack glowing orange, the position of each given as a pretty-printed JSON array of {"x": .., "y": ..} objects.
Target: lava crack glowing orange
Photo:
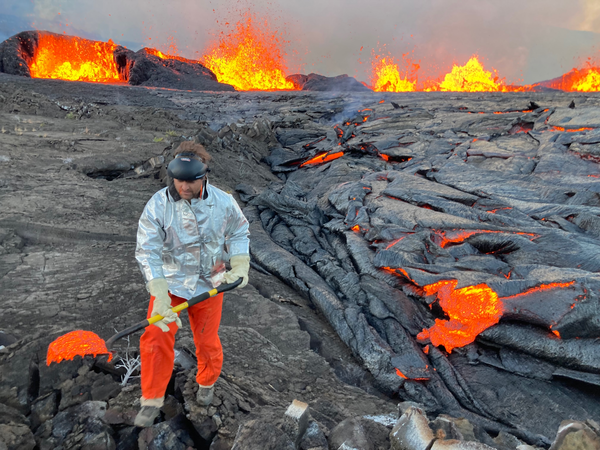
[
  {"x": 76, "y": 343},
  {"x": 250, "y": 58},
  {"x": 74, "y": 59}
]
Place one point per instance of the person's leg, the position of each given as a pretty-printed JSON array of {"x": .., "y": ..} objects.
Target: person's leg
[
  {"x": 205, "y": 318},
  {"x": 157, "y": 357}
]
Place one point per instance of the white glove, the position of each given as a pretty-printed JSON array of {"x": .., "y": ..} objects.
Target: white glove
[
  {"x": 240, "y": 266},
  {"x": 159, "y": 289}
]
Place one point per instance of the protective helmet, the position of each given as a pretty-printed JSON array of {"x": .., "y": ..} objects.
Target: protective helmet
[{"x": 187, "y": 167}]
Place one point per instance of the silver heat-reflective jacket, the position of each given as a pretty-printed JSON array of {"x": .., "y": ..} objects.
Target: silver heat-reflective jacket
[{"x": 188, "y": 242}]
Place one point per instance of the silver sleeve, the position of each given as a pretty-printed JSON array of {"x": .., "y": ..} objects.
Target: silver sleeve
[
  {"x": 150, "y": 239},
  {"x": 236, "y": 232}
]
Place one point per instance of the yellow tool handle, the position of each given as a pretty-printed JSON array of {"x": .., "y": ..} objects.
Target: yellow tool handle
[{"x": 179, "y": 308}]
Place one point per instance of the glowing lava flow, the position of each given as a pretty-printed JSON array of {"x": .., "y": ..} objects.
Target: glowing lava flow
[
  {"x": 456, "y": 236},
  {"x": 250, "y": 58},
  {"x": 74, "y": 59},
  {"x": 322, "y": 158},
  {"x": 76, "y": 343},
  {"x": 386, "y": 77},
  {"x": 471, "y": 310}
]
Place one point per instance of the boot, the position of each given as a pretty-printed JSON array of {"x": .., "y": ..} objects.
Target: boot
[
  {"x": 145, "y": 418},
  {"x": 204, "y": 396}
]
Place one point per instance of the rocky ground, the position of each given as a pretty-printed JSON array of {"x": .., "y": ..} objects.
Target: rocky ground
[{"x": 78, "y": 162}]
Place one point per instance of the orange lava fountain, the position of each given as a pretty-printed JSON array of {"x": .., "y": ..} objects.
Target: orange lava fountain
[
  {"x": 589, "y": 83},
  {"x": 471, "y": 77},
  {"x": 581, "y": 80},
  {"x": 250, "y": 58},
  {"x": 386, "y": 77},
  {"x": 471, "y": 310},
  {"x": 76, "y": 343},
  {"x": 74, "y": 59}
]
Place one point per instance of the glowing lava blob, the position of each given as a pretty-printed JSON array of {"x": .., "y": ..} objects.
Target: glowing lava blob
[
  {"x": 249, "y": 58},
  {"x": 74, "y": 59},
  {"x": 76, "y": 343}
]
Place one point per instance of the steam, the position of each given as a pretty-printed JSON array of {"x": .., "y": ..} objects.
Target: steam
[{"x": 591, "y": 14}]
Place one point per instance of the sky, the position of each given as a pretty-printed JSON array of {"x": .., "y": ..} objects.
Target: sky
[{"x": 525, "y": 41}]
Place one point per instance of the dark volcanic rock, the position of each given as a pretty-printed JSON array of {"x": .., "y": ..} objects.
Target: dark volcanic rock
[
  {"x": 17, "y": 52},
  {"x": 316, "y": 82},
  {"x": 145, "y": 69}
]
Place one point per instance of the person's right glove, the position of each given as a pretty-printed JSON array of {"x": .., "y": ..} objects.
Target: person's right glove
[
  {"x": 240, "y": 266},
  {"x": 159, "y": 289}
]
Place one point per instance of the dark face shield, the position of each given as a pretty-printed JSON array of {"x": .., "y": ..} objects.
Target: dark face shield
[{"x": 186, "y": 168}]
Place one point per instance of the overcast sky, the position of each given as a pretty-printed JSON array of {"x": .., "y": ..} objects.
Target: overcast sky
[{"x": 524, "y": 40}]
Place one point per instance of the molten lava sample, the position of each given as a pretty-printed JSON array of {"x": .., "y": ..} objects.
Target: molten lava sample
[
  {"x": 386, "y": 77},
  {"x": 74, "y": 59},
  {"x": 250, "y": 58},
  {"x": 75, "y": 343},
  {"x": 471, "y": 77}
]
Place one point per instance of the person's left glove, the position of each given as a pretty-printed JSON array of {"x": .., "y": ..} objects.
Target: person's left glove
[
  {"x": 159, "y": 289},
  {"x": 240, "y": 266}
]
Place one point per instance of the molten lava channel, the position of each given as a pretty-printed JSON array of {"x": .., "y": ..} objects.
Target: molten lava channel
[
  {"x": 76, "y": 343},
  {"x": 74, "y": 59}
]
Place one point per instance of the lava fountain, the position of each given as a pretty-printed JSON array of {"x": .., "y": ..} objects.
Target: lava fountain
[
  {"x": 249, "y": 58},
  {"x": 386, "y": 77},
  {"x": 74, "y": 59}
]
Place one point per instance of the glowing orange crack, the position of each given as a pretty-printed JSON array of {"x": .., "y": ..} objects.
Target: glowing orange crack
[
  {"x": 456, "y": 236},
  {"x": 322, "y": 158}
]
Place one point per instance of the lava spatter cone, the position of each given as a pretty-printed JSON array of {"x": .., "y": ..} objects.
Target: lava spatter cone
[{"x": 82, "y": 343}]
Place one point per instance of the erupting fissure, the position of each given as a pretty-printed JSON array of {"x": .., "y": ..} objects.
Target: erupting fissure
[
  {"x": 249, "y": 58},
  {"x": 74, "y": 59}
]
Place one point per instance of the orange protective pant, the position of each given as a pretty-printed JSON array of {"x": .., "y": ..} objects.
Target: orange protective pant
[{"x": 157, "y": 347}]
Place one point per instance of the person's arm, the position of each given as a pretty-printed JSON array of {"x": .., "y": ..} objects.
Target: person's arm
[
  {"x": 148, "y": 252},
  {"x": 236, "y": 231},
  {"x": 238, "y": 245},
  {"x": 150, "y": 239}
]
